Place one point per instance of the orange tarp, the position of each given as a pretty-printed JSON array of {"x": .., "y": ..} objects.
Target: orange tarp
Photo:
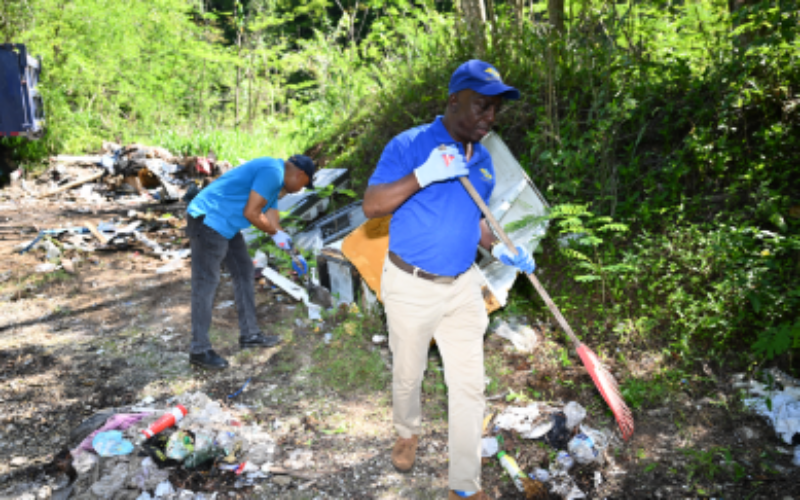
[{"x": 366, "y": 249}]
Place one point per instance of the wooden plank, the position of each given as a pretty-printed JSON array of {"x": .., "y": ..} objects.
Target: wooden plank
[
  {"x": 97, "y": 234},
  {"x": 73, "y": 184}
]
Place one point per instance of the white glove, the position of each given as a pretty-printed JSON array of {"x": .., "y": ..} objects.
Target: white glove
[
  {"x": 282, "y": 240},
  {"x": 444, "y": 163}
]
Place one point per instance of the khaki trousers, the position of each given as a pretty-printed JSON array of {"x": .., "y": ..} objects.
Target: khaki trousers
[{"x": 455, "y": 315}]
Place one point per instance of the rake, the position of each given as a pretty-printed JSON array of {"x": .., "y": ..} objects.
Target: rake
[{"x": 602, "y": 378}]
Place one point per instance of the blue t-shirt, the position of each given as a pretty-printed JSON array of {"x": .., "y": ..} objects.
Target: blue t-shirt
[
  {"x": 438, "y": 228},
  {"x": 223, "y": 201}
]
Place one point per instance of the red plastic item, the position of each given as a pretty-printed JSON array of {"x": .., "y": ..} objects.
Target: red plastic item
[{"x": 169, "y": 419}]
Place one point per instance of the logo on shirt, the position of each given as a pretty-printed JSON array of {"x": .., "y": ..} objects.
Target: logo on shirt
[
  {"x": 493, "y": 74},
  {"x": 486, "y": 175}
]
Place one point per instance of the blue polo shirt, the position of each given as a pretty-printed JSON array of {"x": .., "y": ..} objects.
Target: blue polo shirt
[
  {"x": 223, "y": 201},
  {"x": 437, "y": 229}
]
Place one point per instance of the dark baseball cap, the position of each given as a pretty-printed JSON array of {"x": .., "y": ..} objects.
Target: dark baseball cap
[
  {"x": 483, "y": 78},
  {"x": 305, "y": 164}
]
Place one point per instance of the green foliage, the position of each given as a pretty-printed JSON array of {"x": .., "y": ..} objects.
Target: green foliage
[
  {"x": 587, "y": 240},
  {"x": 639, "y": 393},
  {"x": 716, "y": 462},
  {"x": 666, "y": 136}
]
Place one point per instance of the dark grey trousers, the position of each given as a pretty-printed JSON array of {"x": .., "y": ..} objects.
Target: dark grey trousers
[{"x": 209, "y": 249}]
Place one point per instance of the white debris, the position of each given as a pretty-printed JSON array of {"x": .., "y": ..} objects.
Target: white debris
[
  {"x": 47, "y": 267},
  {"x": 299, "y": 459},
  {"x": 489, "y": 447},
  {"x": 522, "y": 336},
  {"x": 173, "y": 265},
  {"x": 782, "y": 410},
  {"x": 530, "y": 422},
  {"x": 575, "y": 414},
  {"x": 164, "y": 489}
]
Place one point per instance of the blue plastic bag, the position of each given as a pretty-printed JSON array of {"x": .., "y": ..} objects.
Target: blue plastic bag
[{"x": 111, "y": 443}]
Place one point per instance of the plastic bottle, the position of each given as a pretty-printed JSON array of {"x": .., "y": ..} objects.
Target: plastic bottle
[
  {"x": 587, "y": 445},
  {"x": 564, "y": 461},
  {"x": 513, "y": 470},
  {"x": 179, "y": 446},
  {"x": 166, "y": 421},
  {"x": 540, "y": 475},
  {"x": 582, "y": 448},
  {"x": 198, "y": 458}
]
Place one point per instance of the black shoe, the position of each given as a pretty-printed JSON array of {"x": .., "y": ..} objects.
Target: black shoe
[
  {"x": 208, "y": 360},
  {"x": 259, "y": 340}
]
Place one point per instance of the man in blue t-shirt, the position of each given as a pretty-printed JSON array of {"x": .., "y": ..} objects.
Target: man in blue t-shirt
[
  {"x": 430, "y": 288},
  {"x": 247, "y": 195}
]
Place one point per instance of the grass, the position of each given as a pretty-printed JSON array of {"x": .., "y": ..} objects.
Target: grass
[
  {"x": 350, "y": 362},
  {"x": 277, "y": 140},
  {"x": 434, "y": 389}
]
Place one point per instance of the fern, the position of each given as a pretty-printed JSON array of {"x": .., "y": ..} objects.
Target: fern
[{"x": 777, "y": 340}]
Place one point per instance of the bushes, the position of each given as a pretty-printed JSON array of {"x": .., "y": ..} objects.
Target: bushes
[{"x": 711, "y": 288}]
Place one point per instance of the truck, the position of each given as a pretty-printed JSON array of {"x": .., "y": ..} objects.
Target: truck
[{"x": 21, "y": 110}]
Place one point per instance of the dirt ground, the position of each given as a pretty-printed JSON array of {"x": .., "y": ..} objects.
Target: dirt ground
[{"x": 113, "y": 331}]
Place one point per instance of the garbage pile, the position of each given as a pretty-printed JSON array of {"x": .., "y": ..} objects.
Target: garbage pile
[
  {"x": 779, "y": 403},
  {"x": 147, "y": 235},
  {"x": 561, "y": 429},
  {"x": 124, "y": 174},
  {"x": 192, "y": 448}
]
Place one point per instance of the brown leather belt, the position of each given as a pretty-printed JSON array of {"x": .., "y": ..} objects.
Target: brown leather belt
[{"x": 405, "y": 266}]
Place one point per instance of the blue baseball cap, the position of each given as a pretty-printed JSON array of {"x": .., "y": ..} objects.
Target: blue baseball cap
[
  {"x": 481, "y": 77},
  {"x": 305, "y": 164}
]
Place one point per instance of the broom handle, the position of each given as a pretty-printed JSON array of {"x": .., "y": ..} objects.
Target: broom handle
[{"x": 507, "y": 241}]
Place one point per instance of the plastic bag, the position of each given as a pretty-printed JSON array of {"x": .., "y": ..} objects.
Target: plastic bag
[
  {"x": 112, "y": 482},
  {"x": 309, "y": 240},
  {"x": 179, "y": 446},
  {"x": 147, "y": 475},
  {"x": 558, "y": 435},
  {"x": 111, "y": 443},
  {"x": 164, "y": 489},
  {"x": 85, "y": 462},
  {"x": 523, "y": 337},
  {"x": 489, "y": 447},
  {"x": 575, "y": 414},
  {"x": 588, "y": 445},
  {"x": 530, "y": 422},
  {"x": 260, "y": 259}
]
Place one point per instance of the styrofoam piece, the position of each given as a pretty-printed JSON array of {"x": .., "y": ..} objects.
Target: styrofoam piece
[
  {"x": 293, "y": 289},
  {"x": 341, "y": 283}
]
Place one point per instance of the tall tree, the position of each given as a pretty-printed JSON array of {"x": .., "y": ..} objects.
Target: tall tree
[
  {"x": 474, "y": 12},
  {"x": 555, "y": 11}
]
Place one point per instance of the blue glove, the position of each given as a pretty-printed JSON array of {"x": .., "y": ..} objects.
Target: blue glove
[
  {"x": 299, "y": 264},
  {"x": 522, "y": 261},
  {"x": 282, "y": 240},
  {"x": 444, "y": 163}
]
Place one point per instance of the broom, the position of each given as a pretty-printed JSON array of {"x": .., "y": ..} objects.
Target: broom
[{"x": 602, "y": 378}]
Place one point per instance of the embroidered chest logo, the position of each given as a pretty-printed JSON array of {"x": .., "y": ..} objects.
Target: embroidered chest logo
[{"x": 487, "y": 177}]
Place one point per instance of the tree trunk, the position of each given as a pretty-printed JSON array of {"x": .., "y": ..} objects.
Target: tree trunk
[
  {"x": 475, "y": 19},
  {"x": 518, "y": 6},
  {"x": 555, "y": 10}
]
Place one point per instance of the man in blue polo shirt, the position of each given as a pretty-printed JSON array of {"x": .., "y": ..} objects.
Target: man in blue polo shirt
[
  {"x": 247, "y": 195},
  {"x": 429, "y": 286}
]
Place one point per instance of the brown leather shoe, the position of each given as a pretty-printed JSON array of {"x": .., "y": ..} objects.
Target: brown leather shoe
[
  {"x": 405, "y": 453},
  {"x": 477, "y": 496}
]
